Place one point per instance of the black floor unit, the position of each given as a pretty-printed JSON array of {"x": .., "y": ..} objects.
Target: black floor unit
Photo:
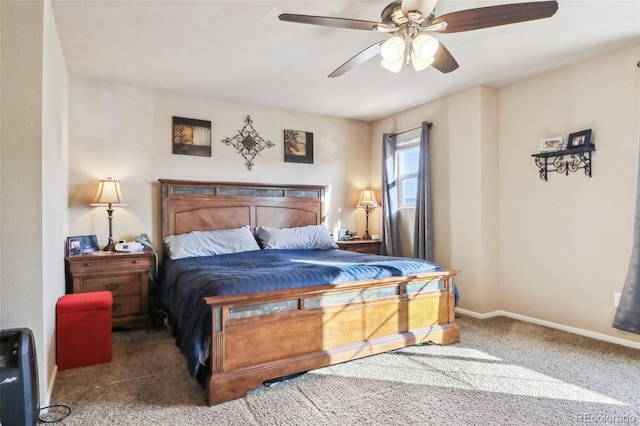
[{"x": 18, "y": 378}]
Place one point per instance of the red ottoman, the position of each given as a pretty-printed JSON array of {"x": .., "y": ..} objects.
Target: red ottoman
[{"x": 83, "y": 329}]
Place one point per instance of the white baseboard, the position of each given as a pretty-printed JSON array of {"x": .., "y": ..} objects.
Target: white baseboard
[{"x": 550, "y": 324}]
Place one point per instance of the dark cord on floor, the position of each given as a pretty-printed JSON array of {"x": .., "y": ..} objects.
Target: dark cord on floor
[{"x": 55, "y": 413}]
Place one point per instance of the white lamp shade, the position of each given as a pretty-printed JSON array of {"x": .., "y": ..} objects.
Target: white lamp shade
[
  {"x": 109, "y": 193},
  {"x": 368, "y": 199},
  {"x": 392, "y": 50},
  {"x": 392, "y": 66},
  {"x": 424, "y": 46},
  {"x": 418, "y": 63}
]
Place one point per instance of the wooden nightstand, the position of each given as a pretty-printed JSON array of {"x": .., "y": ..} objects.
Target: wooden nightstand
[
  {"x": 361, "y": 246},
  {"x": 126, "y": 275}
]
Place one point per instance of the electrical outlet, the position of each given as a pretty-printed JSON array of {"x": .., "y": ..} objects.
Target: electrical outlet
[{"x": 616, "y": 298}]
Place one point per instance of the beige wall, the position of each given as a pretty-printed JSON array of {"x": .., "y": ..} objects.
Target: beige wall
[
  {"x": 125, "y": 132},
  {"x": 464, "y": 182},
  {"x": 33, "y": 176},
  {"x": 550, "y": 251},
  {"x": 565, "y": 243},
  {"x": 21, "y": 161}
]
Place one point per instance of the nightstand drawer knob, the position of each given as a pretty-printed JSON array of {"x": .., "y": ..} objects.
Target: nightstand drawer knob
[
  {"x": 135, "y": 261},
  {"x": 111, "y": 286},
  {"x": 87, "y": 264}
]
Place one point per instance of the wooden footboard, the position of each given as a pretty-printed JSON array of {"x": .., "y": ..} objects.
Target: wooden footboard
[{"x": 296, "y": 330}]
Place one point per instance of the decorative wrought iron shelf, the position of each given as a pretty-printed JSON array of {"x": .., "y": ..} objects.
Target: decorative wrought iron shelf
[{"x": 565, "y": 161}]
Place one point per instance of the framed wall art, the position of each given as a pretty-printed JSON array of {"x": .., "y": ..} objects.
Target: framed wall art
[
  {"x": 298, "y": 147},
  {"x": 191, "y": 137},
  {"x": 581, "y": 139}
]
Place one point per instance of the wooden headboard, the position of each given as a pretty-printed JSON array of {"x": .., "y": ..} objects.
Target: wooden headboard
[{"x": 201, "y": 206}]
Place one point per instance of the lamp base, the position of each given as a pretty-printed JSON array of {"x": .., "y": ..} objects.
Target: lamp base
[
  {"x": 110, "y": 245},
  {"x": 366, "y": 235}
]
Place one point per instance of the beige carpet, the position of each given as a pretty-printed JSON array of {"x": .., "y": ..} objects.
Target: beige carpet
[{"x": 504, "y": 372}]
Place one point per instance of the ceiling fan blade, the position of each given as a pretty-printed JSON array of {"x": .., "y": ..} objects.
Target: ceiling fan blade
[
  {"x": 444, "y": 61},
  {"x": 424, "y": 6},
  {"x": 358, "y": 59},
  {"x": 493, "y": 16},
  {"x": 330, "y": 22}
]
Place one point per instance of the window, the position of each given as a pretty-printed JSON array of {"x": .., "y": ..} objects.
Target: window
[{"x": 407, "y": 160}]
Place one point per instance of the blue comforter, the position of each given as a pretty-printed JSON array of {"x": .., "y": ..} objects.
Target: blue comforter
[{"x": 184, "y": 283}]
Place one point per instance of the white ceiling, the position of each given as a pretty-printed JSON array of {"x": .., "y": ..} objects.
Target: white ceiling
[{"x": 239, "y": 50}]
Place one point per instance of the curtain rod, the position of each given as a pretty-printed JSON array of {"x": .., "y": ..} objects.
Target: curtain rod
[{"x": 429, "y": 125}]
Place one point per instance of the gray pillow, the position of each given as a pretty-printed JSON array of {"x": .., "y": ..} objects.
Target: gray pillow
[
  {"x": 302, "y": 237},
  {"x": 209, "y": 243}
]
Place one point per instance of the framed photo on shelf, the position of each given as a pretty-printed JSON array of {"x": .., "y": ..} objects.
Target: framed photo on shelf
[
  {"x": 551, "y": 144},
  {"x": 298, "y": 147},
  {"x": 580, "y": 139}
]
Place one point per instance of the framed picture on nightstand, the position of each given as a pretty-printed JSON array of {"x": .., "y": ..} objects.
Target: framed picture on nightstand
[
  {"x": 73, "y": 246},
  {"x": 82, "y": 244}
]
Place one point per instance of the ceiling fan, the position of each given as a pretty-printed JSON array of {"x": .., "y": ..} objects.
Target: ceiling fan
[{"x": 410, "y": 21}]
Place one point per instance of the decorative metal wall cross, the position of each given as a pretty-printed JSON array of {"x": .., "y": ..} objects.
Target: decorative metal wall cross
[{"x": 248, "y": 142}]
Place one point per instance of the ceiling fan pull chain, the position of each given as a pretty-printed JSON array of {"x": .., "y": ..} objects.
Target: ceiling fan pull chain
[{"x": 408, "y": 49}]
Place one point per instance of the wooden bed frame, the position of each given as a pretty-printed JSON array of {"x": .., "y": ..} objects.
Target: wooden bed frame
[{"x": 261, "y": 336}]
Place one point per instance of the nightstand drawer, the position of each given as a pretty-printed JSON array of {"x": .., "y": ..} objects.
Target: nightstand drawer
[
  {"x": 119, "y": 285},
  {"x": 361, "y": 246},
  {"x": 124, "y": 306},
  {"x": 90, "y": 266}
]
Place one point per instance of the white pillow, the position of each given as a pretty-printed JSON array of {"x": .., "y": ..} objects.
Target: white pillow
[
  {"x": 302, "y": 237},
  {"x": 209, "y": 243}
]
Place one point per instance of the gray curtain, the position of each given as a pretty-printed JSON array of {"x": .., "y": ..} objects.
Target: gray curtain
[
  {"x": 628, "y": 313},
  {"x": 390, "y": 228},
  {"x": 423, "y": 231}
]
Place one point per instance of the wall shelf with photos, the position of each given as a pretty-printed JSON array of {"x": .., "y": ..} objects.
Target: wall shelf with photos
[{"x": 557, "y": 156}]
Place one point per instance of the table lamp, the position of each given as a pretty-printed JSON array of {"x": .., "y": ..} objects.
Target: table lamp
[
  {"x": 109, "y": 194},
  {"x": 368, "y": 202}
]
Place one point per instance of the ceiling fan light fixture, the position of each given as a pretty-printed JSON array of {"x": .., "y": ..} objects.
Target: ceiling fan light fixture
[
  {"x": 407, "y": 21},
  {"x": 383, "y": 28},
  {"x": 419, "y": 63},
  {"x": 424, "y": 6},
  {"x": 393, "y": 66},
  {"x": 392, "y": 50},
  {"x": 424, "y": 46}
]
